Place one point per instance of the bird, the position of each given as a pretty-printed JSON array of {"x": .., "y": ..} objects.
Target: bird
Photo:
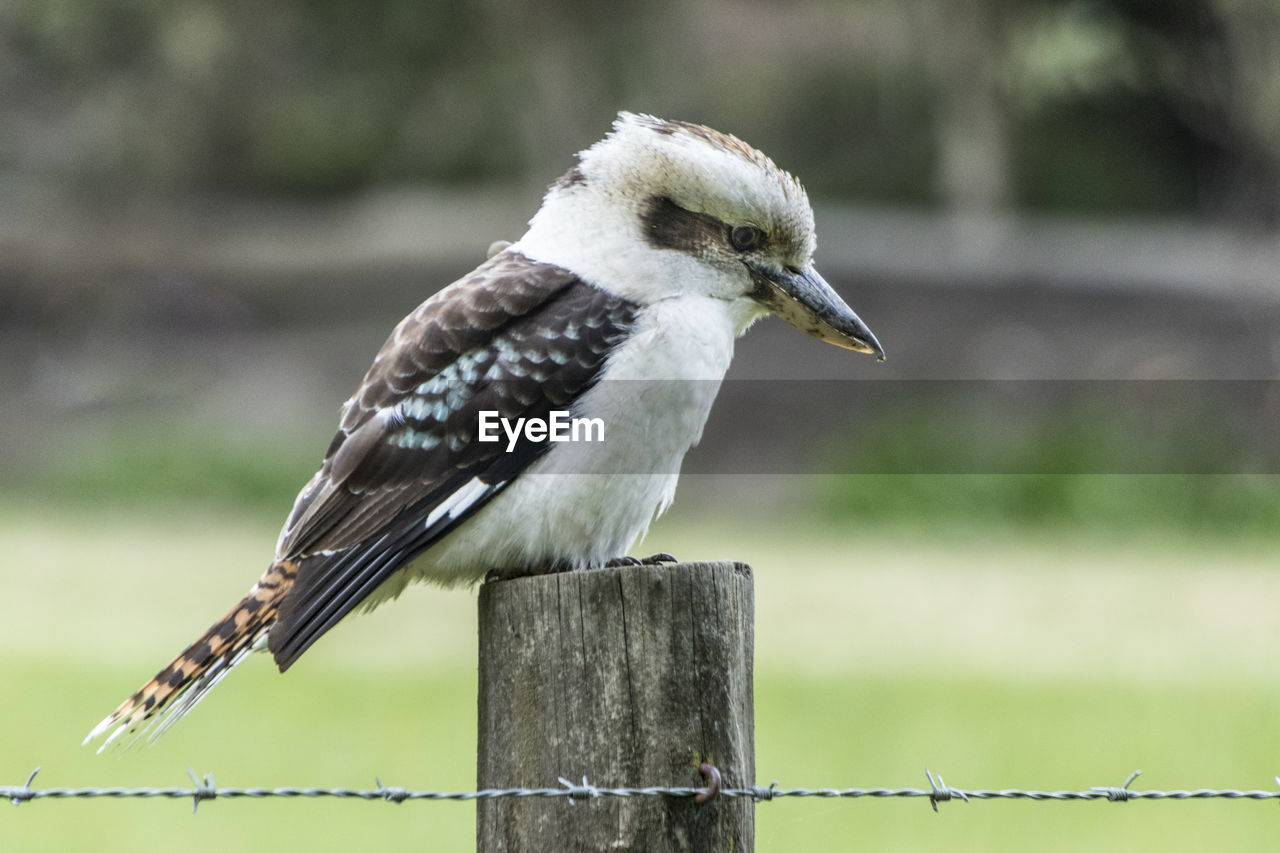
[{"x": 622, "y": 301}]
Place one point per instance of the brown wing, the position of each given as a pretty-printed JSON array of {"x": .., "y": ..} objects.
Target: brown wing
[{"x": 517, "y": 337}]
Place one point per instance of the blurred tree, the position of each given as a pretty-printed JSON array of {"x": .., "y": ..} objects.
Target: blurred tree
[
  {"x": 308, "y": 95},
  {"x": 1085, "y": 104},
  {"x": 1141, "y": 106},
  {"x": 968, "y": 40}
]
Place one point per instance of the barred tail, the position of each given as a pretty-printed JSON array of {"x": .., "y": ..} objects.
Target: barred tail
[{"x": 177, "y": 688}]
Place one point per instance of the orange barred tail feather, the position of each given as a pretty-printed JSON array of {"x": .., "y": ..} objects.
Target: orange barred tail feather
[{"x": 178, "y": 687}]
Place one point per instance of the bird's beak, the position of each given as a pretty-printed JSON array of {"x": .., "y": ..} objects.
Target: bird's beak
[{"x": 805, "y": 300}]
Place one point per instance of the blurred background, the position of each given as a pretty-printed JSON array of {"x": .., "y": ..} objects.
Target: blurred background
[{"x": 1052, "y": 511}]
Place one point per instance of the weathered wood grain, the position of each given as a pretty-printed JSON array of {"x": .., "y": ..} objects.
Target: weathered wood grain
[{"x": 632, "y": 677}]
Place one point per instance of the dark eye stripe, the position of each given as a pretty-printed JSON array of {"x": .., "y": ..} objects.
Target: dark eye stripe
[{"x": 667, "y": 225}]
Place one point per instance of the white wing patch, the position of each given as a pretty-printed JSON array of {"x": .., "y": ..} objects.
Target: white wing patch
[{"x": 460, "y": 501}]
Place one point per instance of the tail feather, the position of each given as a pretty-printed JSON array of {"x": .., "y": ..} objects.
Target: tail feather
[{"x": 180, "y": 686}]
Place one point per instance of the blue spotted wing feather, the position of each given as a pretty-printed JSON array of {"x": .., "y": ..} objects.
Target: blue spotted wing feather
[
  {"x": 515, "y": 336},
  {"x": 518, "y": 338}
]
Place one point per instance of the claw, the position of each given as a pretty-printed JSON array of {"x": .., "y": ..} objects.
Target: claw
[{"x": 652, "y": 560}]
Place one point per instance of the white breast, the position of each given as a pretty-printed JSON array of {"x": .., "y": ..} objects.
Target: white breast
[{"x": 654, "y": 399}]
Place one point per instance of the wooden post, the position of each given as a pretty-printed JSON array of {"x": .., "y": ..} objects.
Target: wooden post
[{"x": 631, "y": 677}]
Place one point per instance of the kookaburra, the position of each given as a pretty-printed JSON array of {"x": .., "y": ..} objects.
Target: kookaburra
[{"x": 645, "y": 261}]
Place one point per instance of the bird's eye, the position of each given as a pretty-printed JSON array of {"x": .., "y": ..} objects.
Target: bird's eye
[{"x": 745, "y": 238}]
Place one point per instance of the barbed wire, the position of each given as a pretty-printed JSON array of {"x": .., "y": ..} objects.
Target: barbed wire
[{"x": 938, "y": 792}]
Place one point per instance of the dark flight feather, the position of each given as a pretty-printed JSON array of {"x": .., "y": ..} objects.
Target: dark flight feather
[{"x": 517, "y": 337}]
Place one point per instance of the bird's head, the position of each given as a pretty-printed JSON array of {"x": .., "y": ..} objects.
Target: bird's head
[{"x": 661, "y": 208}]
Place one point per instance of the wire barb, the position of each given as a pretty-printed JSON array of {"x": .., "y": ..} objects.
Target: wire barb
[
  {"x": 18, "y": 796},
  {"x": 583, "y": 792},
  {"x": 940, "y": 793},
  {"x": 1121, "y": 794},
  {"x": 204, "y": 790},
  {"x": 394, "y": 794},
  {"x": 764, "y": 795}
]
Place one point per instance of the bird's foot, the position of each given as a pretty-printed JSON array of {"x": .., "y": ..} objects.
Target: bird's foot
[
  {"x": 555, "y": 568},
  {"x": 652, "y": 560}
]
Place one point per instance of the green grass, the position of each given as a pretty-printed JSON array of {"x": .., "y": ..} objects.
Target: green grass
[
  {"x": 997, "y": 657},
  {"x": 316, "y": 728},
  {"x": 341, "y": 729},
  {"x": 1003, "y": 733}
]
